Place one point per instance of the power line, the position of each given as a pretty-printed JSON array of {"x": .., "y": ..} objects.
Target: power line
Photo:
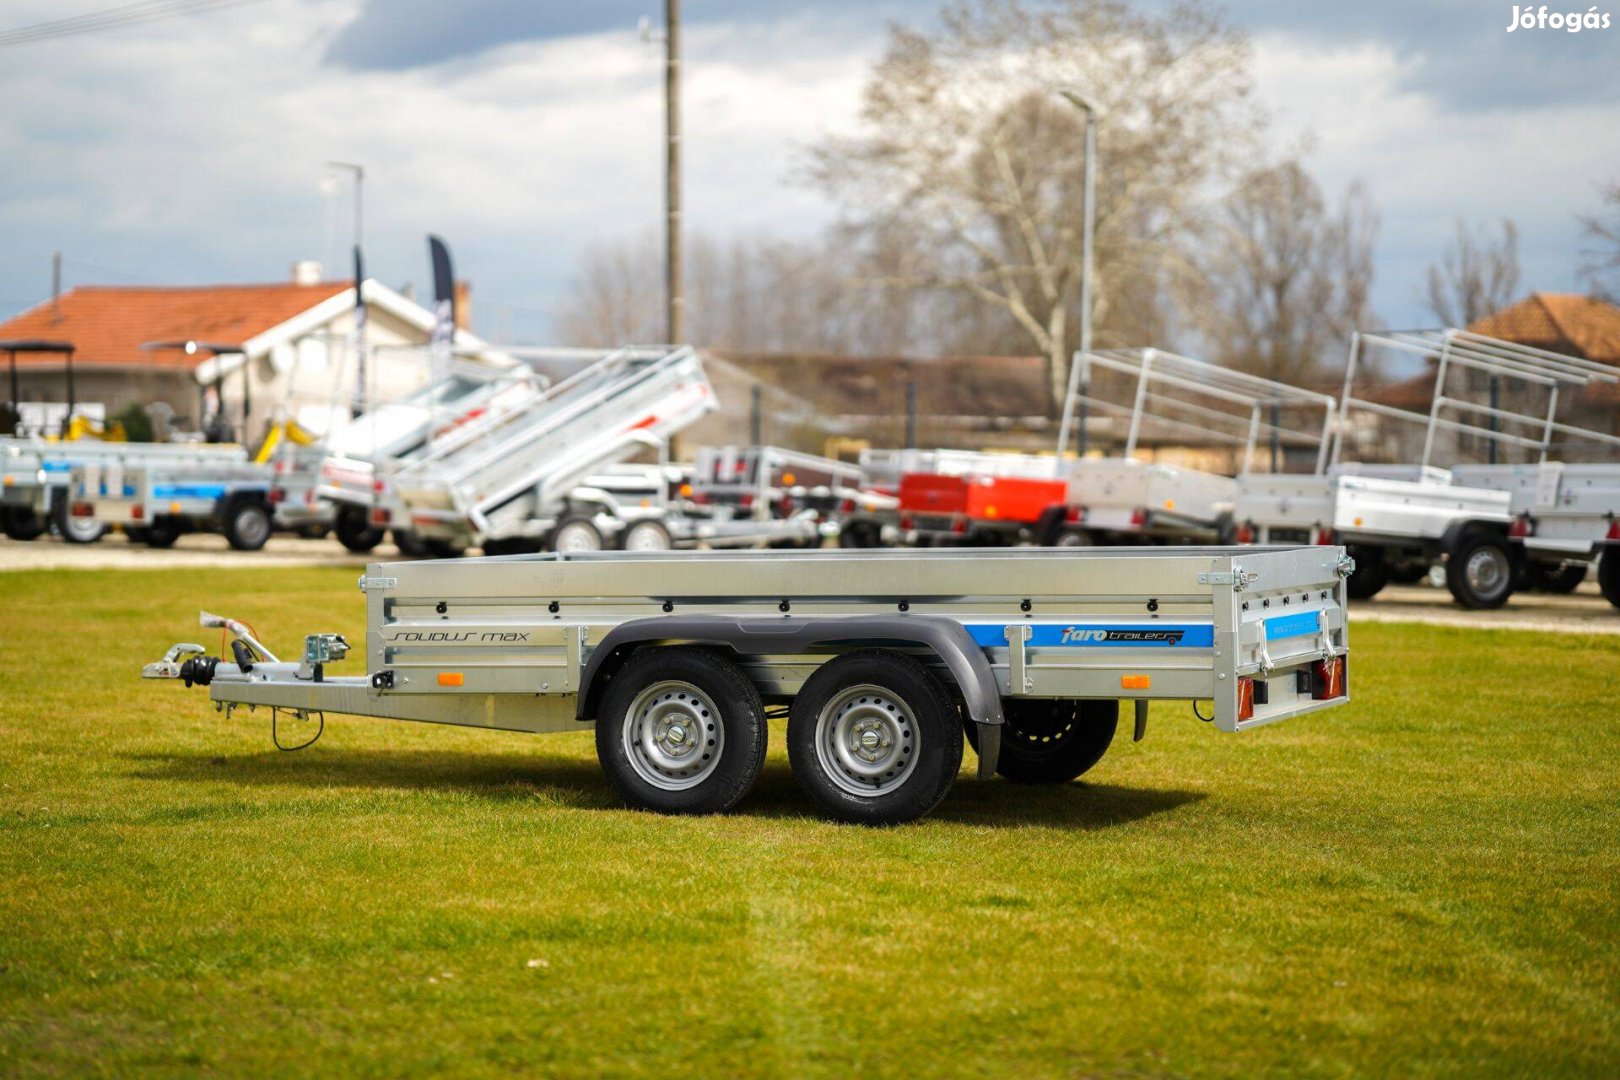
[{"x": 111, "y": 18}]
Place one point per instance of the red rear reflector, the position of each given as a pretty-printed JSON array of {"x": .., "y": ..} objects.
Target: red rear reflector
[
  {"x": 1074, "y": 515},
  {"x": 1614, "y": 530},
  {"x": 1520, "y": 527},
  {"x": 379, "y": 516},
  {"x": 137, "y": 512},
  {"x": 1327, "y": 679},
  {"x": 1139, "y": 516},
  {"x": 907, "y": 521},
  {"x": 847, "y": 506},
  {"x": 1323, "y": 536},
  {"x": 277, "y": 495},
  {"x": 1245, "y": 702},
  {"x": 959, "y": 526},
  {"x": 83, "y": 510},
  {"x": 1244, "y": 534}
]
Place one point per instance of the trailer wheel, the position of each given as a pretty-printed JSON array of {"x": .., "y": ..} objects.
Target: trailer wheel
[
  {"x": 1051, "y": 741},
  {"x": 409, "y": 544},
  {"x": 1553, "y": 578},
  {"x": 1408, "y": 573},
  {"x": 681, "y": 731},
  {"x": 354, "y": 530},
  {"x": 647, "y": 536},
  {"x": 576, "y": 534},
  {"x": 1370, "y": 576},
  {"x": 247, "y": 526},
  {"x": 21, "y": 523},
  {"x": 860, "y": 534},
  {"x": 1609, "y": 574},
  {"x": 1075, "y": 538},
  {"x": 75, "y": 530},
  {"x": 874, "y": 738},
  {"x": 1479, "y": 572},
  {"x": 162, "y": 533}
]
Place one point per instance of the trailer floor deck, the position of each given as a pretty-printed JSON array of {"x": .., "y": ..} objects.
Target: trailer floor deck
[{"x": 1422, "y": 883}]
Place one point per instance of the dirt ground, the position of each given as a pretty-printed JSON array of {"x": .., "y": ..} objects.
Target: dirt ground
[{"x": 1584, "y": 611}]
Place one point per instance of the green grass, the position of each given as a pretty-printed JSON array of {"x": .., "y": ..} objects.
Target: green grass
[{"x": 1422, "y": 884}]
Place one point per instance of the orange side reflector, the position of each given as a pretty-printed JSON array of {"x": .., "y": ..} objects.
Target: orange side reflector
[
  {"x": 449, "y": 678},
  {"x": 1135, "y": 682}
]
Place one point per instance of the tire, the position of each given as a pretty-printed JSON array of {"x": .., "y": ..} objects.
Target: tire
[
  {"x": 162, "y": 533},
  {"x": 1408, "y": 573},
  {"x": 21, "y": 523},
  {"x": 1051, "y": 742},
  {"x": 515, "y": 545},
  {"x": 312, "y": 532},
  {"x": 647, "y": 536},
  {"x": 915, "y": 748},
  {"x": 1480, "y": 571},
  {"x": 409, "y": 544},
  {"x": 354, "y": 531},
  {"x": 1371, "y": 574},
  {"x": 1609, "y": 574},
  {"x": 248, "y": 526},
  {"x": 576, "y": 534},
  {"x": 860, "y": 534},
  {"x": 136, "y": 534},
  {"x": 444, "y": 549},
  {"x": 75, "y": 530},
  {"x": 1075, "y": 538},
  {"x": 1553, "y": 578},
  {"x": 664, "y": 690}
]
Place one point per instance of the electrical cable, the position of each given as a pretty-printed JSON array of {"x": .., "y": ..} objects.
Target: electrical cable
[
  {"x": 1201, "y": 716},
  {"x": 111, "y": 19},
  {"x": 275, "y": 732}
]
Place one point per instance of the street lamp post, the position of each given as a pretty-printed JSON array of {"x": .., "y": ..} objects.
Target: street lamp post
[
  {"x": 1088, "y": 266},
  {"x": 360, "y": 400}
]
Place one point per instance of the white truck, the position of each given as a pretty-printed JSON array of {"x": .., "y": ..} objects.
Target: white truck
[{"x": 880, "y": 661}]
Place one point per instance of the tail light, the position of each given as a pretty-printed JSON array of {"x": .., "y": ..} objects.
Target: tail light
[
  {"x": 1323, "y": 537},
  {"x": 1614, "y": 530},
  {"x": 380, "y": 516},
  {"x": 137, "y": 512},
  {"x": 908, "y": 521},
  {"x": 1521, "y": 527},
  {"x": 81, "y": 509},
  {"x": 1074, "y": 515},
  {"x": 746, "y": 501},
  {"x": 1139, "y": 517},
  {"x": 1245, "y": 702},
  {"x": 277, "y": 495},
  {"x": 959, "y": 526},
  {"x": 847, "y": 506},
  {"x": 1244, "y": 534},
  {"x": 1327, "y": 678}
]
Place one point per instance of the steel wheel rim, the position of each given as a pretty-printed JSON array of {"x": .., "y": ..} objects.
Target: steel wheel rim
[
  {"x": 646, "y": 537},
  {"x": 1487, "y": 571},
  {"x": 673, "y": 736},
  {"x": 867, "y": 740},
  {"x": 252, "y": 527},
  {"x": 577, "y": 536},
  {"x": 83, "y": 528}
]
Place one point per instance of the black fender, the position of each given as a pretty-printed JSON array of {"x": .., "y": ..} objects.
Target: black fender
[
  {"x": 1049, "y": 526},
  {"x": 1454, "y": 532},
  {"x": 946, "y": 638}
]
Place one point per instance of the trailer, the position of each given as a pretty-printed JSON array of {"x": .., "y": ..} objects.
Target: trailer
[
  {"x": 881, "y": 661},
  {"x": 1123, "y": 499},
  {"x": 1402, "y": 519},
  {"x": 982, "y": 499},
  {"x": 39, "y": 478},
  {"x": 772, "y": 484},
  {"x": 510, "y": 484},
  {"x": 158, "y": 501}
]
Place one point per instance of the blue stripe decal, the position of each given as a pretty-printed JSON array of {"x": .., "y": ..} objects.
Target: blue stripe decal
[
  {"x": 1286, "y": 626},
  {"x": 56, "y": 466},
  {"x": 188, "y": 491},
  {"x": 1107, "y": 635}
]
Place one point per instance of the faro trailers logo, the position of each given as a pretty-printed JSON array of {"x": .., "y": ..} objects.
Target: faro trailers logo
[{"x": 1073, "y": 635}]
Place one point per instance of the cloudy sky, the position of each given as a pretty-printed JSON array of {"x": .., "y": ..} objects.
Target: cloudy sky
[{"x": 192, "y": 149}]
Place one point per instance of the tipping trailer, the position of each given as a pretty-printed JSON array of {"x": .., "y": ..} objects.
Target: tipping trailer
[
  {"x": 511, "y": 485},
  {"x": 1400, "y": 520},
  {"x": 353, "y": 475},
  {"x": 1123, "y": 499},
  {"x": 883, "y": 660}
]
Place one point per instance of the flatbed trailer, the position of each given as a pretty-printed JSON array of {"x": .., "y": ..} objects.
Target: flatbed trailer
[{"x": 882, "y": 660}]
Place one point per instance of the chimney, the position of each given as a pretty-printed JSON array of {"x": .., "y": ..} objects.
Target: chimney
[
  {"x": 306, "y": 272},
  {"x": 464, "y": 305}
]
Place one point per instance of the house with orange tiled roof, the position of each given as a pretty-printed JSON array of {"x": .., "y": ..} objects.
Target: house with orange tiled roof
[{"x": 256, "y": 353}]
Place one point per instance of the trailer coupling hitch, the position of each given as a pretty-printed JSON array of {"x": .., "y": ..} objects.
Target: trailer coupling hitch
[{"x": 179, "y": 663}]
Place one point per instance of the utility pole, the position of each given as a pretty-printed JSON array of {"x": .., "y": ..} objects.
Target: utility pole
[
  {"x": 1088, "y": 266},
  {"x": 361, "y": 399},
  {"x": 56, "y": 284},
  {"x": 674, "y": 288}
]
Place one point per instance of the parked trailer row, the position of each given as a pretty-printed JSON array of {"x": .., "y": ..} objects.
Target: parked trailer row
[{"x": 884, "y": 661}]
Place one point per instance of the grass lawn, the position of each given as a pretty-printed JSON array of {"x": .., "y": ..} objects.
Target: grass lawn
[{"x": 1425, "y": 883}]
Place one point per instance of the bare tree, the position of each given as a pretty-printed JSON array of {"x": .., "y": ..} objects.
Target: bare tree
[
  {"x": 1600, "y": 263},
  {"x": 1282, "y": 279},
  {"x": 1475, "y": 277},
  {"x": 968, "y": 151}
]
